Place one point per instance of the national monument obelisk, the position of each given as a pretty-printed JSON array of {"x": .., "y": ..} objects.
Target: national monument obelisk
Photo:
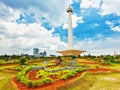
[
  {"x": 70, "y": 50},
  {"x": 70, "y": 34}
]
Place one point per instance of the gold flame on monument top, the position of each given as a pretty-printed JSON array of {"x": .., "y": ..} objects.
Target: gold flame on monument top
[{"x": 69, "y": 9}]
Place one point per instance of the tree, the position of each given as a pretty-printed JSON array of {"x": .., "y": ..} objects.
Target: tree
[
  {"x": 59, "y": 58},
  {"x": 23, "y": 61}
]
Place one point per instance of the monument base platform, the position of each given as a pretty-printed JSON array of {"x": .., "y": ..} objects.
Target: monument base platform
[{"x": 71, "y": 52}]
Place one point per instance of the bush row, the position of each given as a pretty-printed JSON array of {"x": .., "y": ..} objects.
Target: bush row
[
  {"x": 24, "y": 79},
  {"x": 64, "y": 74},
  {"x": 72, "y": 73}
]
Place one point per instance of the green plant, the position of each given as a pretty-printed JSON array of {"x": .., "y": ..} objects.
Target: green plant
[
  {"x": 42, "y": 73},
  {"x": 21, "y": 75},
  {"x": 36, "y": 83},
  {"x": 68, "y": 75},
  {"x": 46, "y": 80},
  {"x": 23, "y": 61},
  {"x": 80, "y": 69},
  {"x": 19, "y": 68}
]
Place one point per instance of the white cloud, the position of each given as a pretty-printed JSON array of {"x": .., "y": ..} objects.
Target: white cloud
[
  {"x": 57, "y": 14},
  {"x": 96, "y": 24},
  {"x": 112, "y": 26},
  {"x": 100, "y": 47},
  {"x": 90, "y": 3},
  {"x": 53, "y": 11},
  {"x": 109, "y": 23},
  {"x": 105, "y": 6},
  {"x": 19, "y": 38},
  {"x": 116, "y": 28},
  {"x": 75, "y": 21},
  {"x": 110, "y": 6},
  {"x": 99, "y": 35},
  {"x": 65, "y": 26},
  {"x": 8, "y": 14}
]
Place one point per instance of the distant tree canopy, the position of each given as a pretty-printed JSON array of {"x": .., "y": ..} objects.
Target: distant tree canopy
[{"x": 7, "y": 57}]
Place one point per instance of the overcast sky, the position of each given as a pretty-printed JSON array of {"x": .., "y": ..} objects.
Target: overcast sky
[{"x": 28, "y": 24}]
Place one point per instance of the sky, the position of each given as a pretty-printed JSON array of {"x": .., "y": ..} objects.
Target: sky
[{"x": 43, "y": 24}]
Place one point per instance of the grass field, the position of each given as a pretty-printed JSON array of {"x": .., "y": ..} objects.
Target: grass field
[
  {"x": 106, "y": 82},
  {"x": 115, "y": 66},
  {"x": 5, "y": 78},
  {"x": 81, "y": 83}
]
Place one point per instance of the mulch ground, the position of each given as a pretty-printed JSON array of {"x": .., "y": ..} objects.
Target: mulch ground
[
  {"x": 89, "y": 63},
  {"x": 11, "y": 64},
  {"x": 52, "y": 86},
  {"x": 32, "y": 74},
  {"x": 102, "y": 70}
]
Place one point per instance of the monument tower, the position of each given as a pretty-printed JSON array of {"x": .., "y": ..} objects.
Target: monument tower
[
  {"x": 70, "y": 34},
  {"x": 71, "y": 50}
]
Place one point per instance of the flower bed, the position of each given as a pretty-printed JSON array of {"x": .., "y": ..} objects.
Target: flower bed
[
  {"x": 51, "y": 86},
  {"x": 34, "y": 78}
]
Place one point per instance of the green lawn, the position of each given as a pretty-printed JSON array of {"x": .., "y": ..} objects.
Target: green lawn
[
  {"x": 115, "y": 66},
  {"x": 106, "y": 82},
  {"x": 5, "y": 78},
  {"x": 80, "y": 83}
]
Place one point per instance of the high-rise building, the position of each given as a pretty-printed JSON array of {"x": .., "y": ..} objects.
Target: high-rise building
[
  {"x": 44, "y": 53},
  {"x": 36, "y": 52}
]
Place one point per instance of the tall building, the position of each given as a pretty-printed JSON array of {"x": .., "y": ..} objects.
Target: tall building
[
  {"x": 44, "y": 53},
  {"x": 36, "y": 52}
]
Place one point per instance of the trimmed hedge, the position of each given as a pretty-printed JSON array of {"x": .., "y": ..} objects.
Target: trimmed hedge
[
  {"x": 72, "y": 73},
  {"x": 24, "y": 79}
]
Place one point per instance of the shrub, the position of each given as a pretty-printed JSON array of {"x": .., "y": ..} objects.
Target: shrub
[
  {"x": 36, "y": 83},
  {"x": 23, "y": 61},
  {"x": 80, "y": 69},
  {"x": 69, "y": 75},
  {"x": 28, "y": 83},
  {"x": 47, "y": 80},
  {"x": 42, "y": 73},
  {"x": 19, "y": 68},
  {"x": 21, "y": 75},
  {"x": 63, "y": 77}
]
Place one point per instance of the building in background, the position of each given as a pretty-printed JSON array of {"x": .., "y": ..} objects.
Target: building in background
[
  {"x": 43, "y": 54},
  {"x": 36, "y": 52}
]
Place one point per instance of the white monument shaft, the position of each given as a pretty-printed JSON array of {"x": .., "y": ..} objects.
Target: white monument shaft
[
  {"x": 70, "y": 50},
  {"x": 70, "y": 34}
]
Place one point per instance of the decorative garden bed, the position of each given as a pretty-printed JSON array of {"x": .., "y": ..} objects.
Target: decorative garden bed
[
  {"x": 47, "y": 78},
  {"x": 28, "y": 79}
]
